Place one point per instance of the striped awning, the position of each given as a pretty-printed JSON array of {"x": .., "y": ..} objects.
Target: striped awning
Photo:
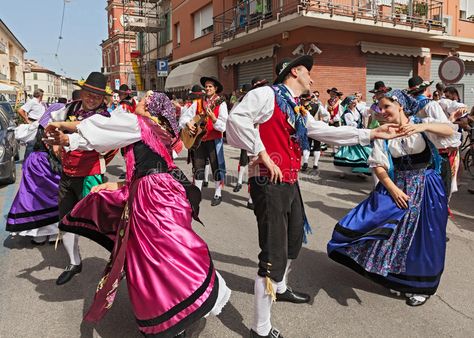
[
  {"x": 389, "y": 49},
  {"x": 253, "y": 55}
]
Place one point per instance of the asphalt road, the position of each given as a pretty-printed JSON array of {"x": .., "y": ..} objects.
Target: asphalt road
[{"x": 343, "y": 304}]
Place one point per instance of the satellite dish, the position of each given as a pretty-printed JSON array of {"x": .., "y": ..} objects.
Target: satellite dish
[{"x": 451, "y": 70}]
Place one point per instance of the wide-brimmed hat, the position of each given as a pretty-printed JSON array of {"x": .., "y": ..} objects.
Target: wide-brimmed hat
[
  {"x": 214, "y": 80},
  {"x": 196, "y": 92},
  {"x": 246, "y": 88},
  {"x": 284, "y": 67},
  {"x": 334, "y": 90},
  {"x": 259, "y": 81},
  {"x": 417, "y": 84},
  {"x": 379, "y": 87},
  {"x": 123, "y": 89},
  {"x": 95, "y": 83}
]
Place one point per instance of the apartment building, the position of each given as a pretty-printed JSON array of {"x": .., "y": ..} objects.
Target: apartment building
[
  {"x": 11, "y": 63},
  {"x": 53, "y": 85},
  {"x": 354, "y": 43}
]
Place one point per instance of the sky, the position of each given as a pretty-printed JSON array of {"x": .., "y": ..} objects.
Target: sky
[{"x": 36, "y": 24}]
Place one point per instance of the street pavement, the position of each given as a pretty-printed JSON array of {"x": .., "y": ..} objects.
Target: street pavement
[{"x": 343, "y": 304}]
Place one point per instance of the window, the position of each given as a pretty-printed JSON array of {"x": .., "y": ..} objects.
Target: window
[
  {"x": 117, "y": 61},
  {"x": 35, "y": 87},
  {"x": 35, "y": 76},
  {"x": 177, "y": 32},
  {"x": 203, "y": 23},
  {"x": 466, "y": 10}
]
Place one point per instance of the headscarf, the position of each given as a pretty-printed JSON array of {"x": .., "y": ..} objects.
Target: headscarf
[
  {"x": 159, "y": 105},
  {"x": 408, "y": 103},
  {"x": 44, "y": 120}
]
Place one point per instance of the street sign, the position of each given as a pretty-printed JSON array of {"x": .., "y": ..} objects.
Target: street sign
[
  {"x": 451, "y": 70},
  {"x": 162, "y": 67},
  {"x": 117, "y": 84}
]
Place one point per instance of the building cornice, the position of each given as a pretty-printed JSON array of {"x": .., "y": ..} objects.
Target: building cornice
[{"x": 12, "y": 36}]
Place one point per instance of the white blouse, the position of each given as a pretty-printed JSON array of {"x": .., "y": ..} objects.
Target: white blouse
[
  {"x": 103, "y": 134},
  {"x": 410, "y": 145},
  {"x": 190, "y": 112},
  {"x": 257, "y": 108}
]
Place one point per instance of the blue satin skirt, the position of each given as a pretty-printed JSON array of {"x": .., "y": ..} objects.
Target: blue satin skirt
[{"x": 402, "y": 249}]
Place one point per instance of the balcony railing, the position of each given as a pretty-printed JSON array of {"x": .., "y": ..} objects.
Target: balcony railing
[
  {"x": 14, "y": 60},
  {"x": 3, "y": 48},
  {"x": 248, "y": 14}
]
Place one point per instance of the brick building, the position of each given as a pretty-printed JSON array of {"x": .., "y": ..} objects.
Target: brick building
[{"x": 353, "y": 45}]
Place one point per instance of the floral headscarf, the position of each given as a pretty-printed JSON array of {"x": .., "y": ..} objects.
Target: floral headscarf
[
  {"x": 408, "y": 103},
  {"x": 159, "y": 105}
]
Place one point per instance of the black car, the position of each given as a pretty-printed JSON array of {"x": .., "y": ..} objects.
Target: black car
[
  {"x": 8, "y": 148},
  {"x": 7, "y": 107}
]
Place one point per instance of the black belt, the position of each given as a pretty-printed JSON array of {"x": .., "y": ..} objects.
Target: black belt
[{"x": 145, "y": 172}]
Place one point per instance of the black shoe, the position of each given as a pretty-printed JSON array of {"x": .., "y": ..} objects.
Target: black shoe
[
  {"x": 237, "y": 187},
  {"x": 274, "y": 333},
  {"x": 304, "y": 167},
  {"x": 68, "y": 273},
  {"x": 181, "y": 335},
  {"x": 315, "y": 167},
  {"x": 250, "y": 206},
  {"x": 205, "y": 184},
  {"x": 471, "y": 191},
  {"x": 216, "y": 200},
  {"x": 292, "y": 297},
  {"x": 412, "y": 301},
  {"x": 122, "y": 176}
]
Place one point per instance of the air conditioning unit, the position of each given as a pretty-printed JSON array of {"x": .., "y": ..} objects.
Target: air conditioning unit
[{"x": 448, "y": 24}]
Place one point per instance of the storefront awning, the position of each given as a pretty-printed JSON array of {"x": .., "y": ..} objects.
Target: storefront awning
[
  {"x": 253, "y": 55},
  {"x": 186, "y": 75},
  {"x": 7, "y": 89},
  {"x": 466, "y": 56},
  {"x": 388, "y": 49}
]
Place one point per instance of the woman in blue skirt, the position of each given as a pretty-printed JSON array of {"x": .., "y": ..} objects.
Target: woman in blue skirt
[{"x": 397, "y": 236}]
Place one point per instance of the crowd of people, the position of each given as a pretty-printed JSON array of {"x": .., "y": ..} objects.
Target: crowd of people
[{"x": 406, "y": 139}]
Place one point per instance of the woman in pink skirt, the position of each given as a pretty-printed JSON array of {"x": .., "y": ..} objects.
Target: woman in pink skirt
[{"x": 145, "y": 221}]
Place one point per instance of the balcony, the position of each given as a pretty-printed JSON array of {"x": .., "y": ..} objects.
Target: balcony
[
  {"x": 391, "y": 17},
  {"x": 14, "y": 60},
  {"x": 3, "y": 48}
]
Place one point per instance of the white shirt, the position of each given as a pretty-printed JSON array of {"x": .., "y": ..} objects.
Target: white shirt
[
  {"x": 190, "y": 112},
  {"x": 34, "y": 109},
  {"x": 257, "y": 108}
]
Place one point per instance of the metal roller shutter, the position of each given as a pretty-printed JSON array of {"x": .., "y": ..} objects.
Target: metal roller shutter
[
  {"x": 393, "y": 70},
  {"x": 468, "y": 81},
  {"x": 435, "y": 62},
  {"x": 247, "y": 71}
]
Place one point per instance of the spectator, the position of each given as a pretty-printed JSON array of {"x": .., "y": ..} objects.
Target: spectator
[{"x": 452, "y": 93}]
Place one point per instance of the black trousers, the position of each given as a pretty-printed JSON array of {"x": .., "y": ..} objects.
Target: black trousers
[
  {"x": 70, "y": 193},
  {"x": 244, "y": 158},
  {"x": 280, "y": 218},
  {"x": 206, "y": 150},
  {"x": 446, "y": 173}
]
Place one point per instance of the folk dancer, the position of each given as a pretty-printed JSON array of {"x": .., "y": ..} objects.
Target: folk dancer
[{"x": 268, "y": 123}]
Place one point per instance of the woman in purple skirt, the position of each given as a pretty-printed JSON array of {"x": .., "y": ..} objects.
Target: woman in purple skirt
[
  {"x": 145, "y": 222},
  {"x": 34, "y": 211}
]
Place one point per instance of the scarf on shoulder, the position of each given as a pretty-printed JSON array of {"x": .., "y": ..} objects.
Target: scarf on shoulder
[{"x": 295, "y": 113}]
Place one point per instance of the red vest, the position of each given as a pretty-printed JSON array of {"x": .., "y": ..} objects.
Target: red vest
[
  {"x": 79, "y": 163},
  {"x": 211, "y": 133},
  {"x": 276, "y": 135}
]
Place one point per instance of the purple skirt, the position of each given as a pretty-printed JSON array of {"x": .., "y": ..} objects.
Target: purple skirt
[{"x": 36, "y": 202}]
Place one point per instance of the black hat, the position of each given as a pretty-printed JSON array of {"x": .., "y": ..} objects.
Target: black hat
[
  {"x": 284, "y": 67},
  {"x": 95, "y": 83},
  {"x": 379, "y": 87},
  {"x": 259, "y": 81},
  {"x": 246, "y": 88},
  {"x": 195, "y": 92},
  {"x": 214, "y": 80},
  {"x": 306, "y": 96},
  {"x": 76, "y": 94},
  {"x": 123, "y": 89},
  {"x": 417, "y": 84},
  {"x": 334, "y": 90}
]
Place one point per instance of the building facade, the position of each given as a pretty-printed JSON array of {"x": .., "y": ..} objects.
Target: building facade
[
  {"x": 117, "y": 48},
  {"x": 53, "y": 85},
  {"x": 11, "y": 64},
  {"x": 354, "y": 43}
]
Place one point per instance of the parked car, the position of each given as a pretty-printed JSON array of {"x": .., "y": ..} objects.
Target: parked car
[
  {"x": 8, "y": 149},
  {"x": 7, "y": 106}
]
